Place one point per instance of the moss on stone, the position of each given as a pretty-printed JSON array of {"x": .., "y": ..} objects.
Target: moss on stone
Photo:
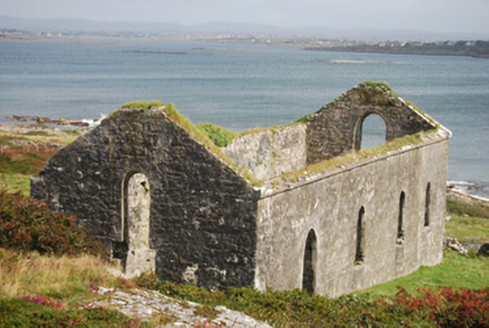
[
  {"x": 138, "y": 104},
  {"x": 377, "y": 84},
  {"x": 349, "y": 158}
]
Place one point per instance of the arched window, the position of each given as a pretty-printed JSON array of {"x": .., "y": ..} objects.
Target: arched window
[
  {"x": 427, "y": 205},
  {"x": 136, "y": 204},
  {"x": 310, "y": 258},
  {"x": 372, "y": 132},
  {"x": 359, "y": 253},
  {"x": 400, "y": 224}
]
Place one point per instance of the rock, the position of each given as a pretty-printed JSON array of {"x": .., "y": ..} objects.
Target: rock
[
  {"x": 483, "y": 250},
  {"x": 455, "y": 245},
  {"x": 145, "y": 304}
]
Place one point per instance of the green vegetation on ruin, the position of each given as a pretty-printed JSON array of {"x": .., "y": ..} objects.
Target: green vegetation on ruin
[
  {"x": 203, "y": 138},
  {"x": 138, "y": 104},
  {"x": 350, "y": 158},
  {"x": 378, "y": 84},
  {"x": 220, "y": 136}
]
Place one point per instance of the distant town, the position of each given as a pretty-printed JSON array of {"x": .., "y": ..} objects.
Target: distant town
[{"x": 472, "y": 48}]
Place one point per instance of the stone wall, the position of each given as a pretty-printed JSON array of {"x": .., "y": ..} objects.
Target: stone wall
[
  {"x": 202, "y": 213},
  {"x": 330, "y": 206},
  {"x": 269, "y": 153},
  {"x": 337, "y": 127}
]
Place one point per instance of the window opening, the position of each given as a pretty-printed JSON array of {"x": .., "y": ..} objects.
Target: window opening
[
  {"x": 400, "y": 225},
  {"x": 373, "y": 132},
  {"x": 359, "y": 253},
  {"x": 427, "y": 205},
  {"x": 310, "y": 257}
]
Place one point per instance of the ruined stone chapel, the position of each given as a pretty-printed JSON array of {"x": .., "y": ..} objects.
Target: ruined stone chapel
[{"x": 298, "y": 206}]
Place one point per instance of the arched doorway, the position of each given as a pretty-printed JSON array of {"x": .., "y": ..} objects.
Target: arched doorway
[
  {"x": 371, "y": 131},
  {"x": 310, "y": 259},
  {"x": 136, "y": 225}
]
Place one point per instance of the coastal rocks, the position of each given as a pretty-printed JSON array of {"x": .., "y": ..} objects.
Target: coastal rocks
[
  {"x": 32, "y": 129},
  {"x": 483, "y": 250},
  {"x": 454, "y": 245},
  {"x": 45, "y": 120},
  {"x": 147, "y": 304},
  {"x": 462, "y": 194}
]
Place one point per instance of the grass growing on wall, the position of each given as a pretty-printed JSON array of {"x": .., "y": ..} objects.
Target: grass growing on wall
[
  {"x": 139, "y": 104},
  {"x": 350, "y": 158},
  {"x": 202, "y": 137},
  {"x": 374, "y": 85},
  {"x": 219, "y": 135}
]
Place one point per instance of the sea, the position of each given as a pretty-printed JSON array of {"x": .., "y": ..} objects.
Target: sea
[{"x": 241, "y": 86}]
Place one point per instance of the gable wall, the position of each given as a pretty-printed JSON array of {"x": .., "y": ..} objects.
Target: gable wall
[
  {"x": 270, "y": 153},
  {"x": 337, "y": 127},
  {"x": 331, "y": 208},
  {"x": 202, "y": 214}
]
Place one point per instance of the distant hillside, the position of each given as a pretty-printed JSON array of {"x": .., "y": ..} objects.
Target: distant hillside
[
  {"x": 80, "y": 26},
  {"x": 447, "y": 48}
]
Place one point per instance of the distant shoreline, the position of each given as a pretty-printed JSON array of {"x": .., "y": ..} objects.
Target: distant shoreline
[{"x": 476, "y": 49}]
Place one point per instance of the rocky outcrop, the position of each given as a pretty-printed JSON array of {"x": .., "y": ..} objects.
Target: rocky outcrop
[{"x": 146, "y": 304}]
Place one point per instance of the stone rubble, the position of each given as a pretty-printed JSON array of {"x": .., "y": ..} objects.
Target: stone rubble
[
  {"x": 145, "y": 304},
  {"x": 455, "y": 245}
]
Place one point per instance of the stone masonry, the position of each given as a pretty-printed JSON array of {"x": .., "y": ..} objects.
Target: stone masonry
[{"x": 162, "y": 200}]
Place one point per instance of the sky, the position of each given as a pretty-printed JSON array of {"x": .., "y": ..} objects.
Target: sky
[{"x": 449, "y": 16}]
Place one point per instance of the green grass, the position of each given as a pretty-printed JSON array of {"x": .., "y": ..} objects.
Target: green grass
[
  {"x": 19, "y": 312},
  {"x": 138, "y": 104},
  {"x": 462, "y": 208},
  {"x": 219, "y": 135},
  {"x": 456, "y": 270},
  {"x": 468, "y": 229},
  {"x": 15, "y": 182}
]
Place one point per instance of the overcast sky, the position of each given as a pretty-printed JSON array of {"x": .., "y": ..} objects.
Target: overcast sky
[{"x": 430, "y": 15}]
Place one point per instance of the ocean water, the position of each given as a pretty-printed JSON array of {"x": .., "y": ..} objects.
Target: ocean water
[{"x": 244, "y": 86}]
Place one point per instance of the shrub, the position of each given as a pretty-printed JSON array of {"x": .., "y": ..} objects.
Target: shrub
[
  {"x": 31, "y": 312},
  {"x": 446, "y": 306},
  {"x": 29, "y": 225}
]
